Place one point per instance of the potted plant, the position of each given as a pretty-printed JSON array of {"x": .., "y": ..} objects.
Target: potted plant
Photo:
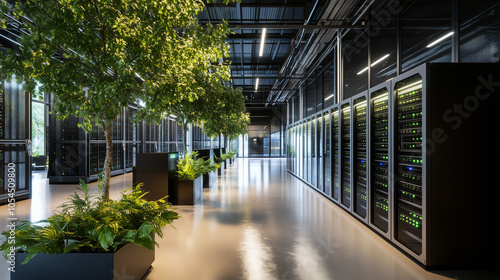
[
  {"x": 232, "y": 155},
  {"x": 39, "y": 161},
  {"x": 89, "y": 238},
  {"x": 189, "y": 183}
]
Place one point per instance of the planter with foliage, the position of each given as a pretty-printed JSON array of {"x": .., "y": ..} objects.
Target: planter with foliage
[
  {"x": 189, "y": 183},
  {"x": 87, "y": 229},
  {"x": 129, "y": 262}
]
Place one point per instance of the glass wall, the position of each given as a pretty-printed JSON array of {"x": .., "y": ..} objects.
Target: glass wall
[{"x": 426, "y": 33}]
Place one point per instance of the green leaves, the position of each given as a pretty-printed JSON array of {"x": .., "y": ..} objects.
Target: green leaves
[
  {"x": 85, "y": 223},
  {"x": 190, "y": 168},
  {"x": 97, "y": 56}
]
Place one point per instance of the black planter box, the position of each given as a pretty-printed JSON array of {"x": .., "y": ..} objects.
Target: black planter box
[
  {"x": 39, "y": 163},
  {"x": 220, "y": 171},
  {"x": 157, "y": 171},
  {"x": 130, "y": 262},
  {"x": 189, "y": 192},
  {"x": 205, "y": 154}
]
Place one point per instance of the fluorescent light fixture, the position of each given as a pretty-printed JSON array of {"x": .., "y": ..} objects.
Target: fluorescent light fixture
[
  {"x": 256, "y": 83},
  {"x": 440, "y": 39},
  {"x": 329, "y": 97},
  {"x": 262, "y": 41},
  {"x": 375, "y": 63}
]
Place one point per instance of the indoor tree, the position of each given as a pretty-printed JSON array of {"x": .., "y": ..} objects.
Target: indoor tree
[
  {"x": 227, "y": 115},
  {"x": 99, "y": 55}
]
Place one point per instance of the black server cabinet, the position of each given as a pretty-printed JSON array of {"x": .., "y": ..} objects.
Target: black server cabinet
[
  {"x": 319, "y": 151},
  {"x": 336, "y": 153},
  {"x": 131, "y": 142},
  {"x": 97, "y": 148},
  {"x": 379, "y": 179},
  {"x": 327, "y": 153},
  {"x": 359, "y": 155},
  {"x": 77, "y": 155},
  {"x": 15, "y": 132},
  {"x": 345, "y": 154},
  {"x": 445, "y": 169},
  {"x": 68, "y": 151}
]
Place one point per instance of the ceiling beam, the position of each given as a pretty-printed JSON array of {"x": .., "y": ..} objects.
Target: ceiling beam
[
  {"x": 268, "y": 77},
  {"x": 293, "y": 26},
  {"x": 256, "y": 5},
  {"x": 257, "y": 36}
]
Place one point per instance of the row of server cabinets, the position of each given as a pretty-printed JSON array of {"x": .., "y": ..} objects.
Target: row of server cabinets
[
  {"x": 415, "y": 159},
  {"x": 15, "y": 163},
  {"x": 75, "y": 154}
]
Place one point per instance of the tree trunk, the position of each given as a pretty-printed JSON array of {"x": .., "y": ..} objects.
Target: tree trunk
[
  {"x": 107, "y": 162},
  {"x": 184, "y": 140}
]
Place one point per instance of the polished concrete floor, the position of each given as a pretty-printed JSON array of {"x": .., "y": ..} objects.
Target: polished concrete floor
[{"x": 258, "y": 222}]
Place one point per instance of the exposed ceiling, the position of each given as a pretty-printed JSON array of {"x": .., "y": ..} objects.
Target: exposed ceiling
[{"x": 298, "y": 35}]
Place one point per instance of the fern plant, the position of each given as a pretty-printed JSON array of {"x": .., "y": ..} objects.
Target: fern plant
[
  {"x": 190, "y": 167},
  {"x": 86, "y": 223}
]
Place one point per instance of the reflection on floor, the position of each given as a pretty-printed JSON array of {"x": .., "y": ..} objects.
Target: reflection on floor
[{"x": 259, "y": 222}]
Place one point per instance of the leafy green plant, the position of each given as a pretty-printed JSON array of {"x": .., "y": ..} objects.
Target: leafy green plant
[
  {"x": 225, "y": 156},
  {"x": 191, "y": 167},
  {"x": 87, "y": 223},
  {"x": 232, "y": 154},
  {"x": 98, "y": 56}
]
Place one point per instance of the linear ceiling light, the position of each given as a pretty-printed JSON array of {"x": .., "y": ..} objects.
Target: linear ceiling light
[
  {"x": 257, "y": 84},
  {"x": 329, "y": 97},
  {"x": 373, "y": 64},
  {"x": 440, "y": 39},
  {"x": 262, "y": 42}
]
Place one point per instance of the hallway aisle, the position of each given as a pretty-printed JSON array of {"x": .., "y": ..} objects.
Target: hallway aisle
[
  {"x": 262, "y": 223},
  {"x": 258, "y": 222}
]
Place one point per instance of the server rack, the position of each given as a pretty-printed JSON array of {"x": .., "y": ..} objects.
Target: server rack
[
  {"x": 327, "y": 165},
  {"x": 97, "y": 148},
  {"x": 132, "y": 143},
  {"x": 314, "y": 159},
  {"x": 345, "y": 154},
  {"x": 432, "y": 187},
  {"x": 319, "y": 152},
  {"x": 379, "y": 158},
  {"x": 15, "y": 132},
  {"x": 336, "y": 153},
  {"x": 445, "y": 183},
  {"x": 77, "y": 155},
  {"x": 68, "y": 150},
  {"x": 359, "y": 155}
]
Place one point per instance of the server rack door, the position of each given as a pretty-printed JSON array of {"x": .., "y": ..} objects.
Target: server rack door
[
  {"x": 327, "y": 156},
  {"x": 294, "y": 149},
  {"x": 379, "y": 159},
  {"x": 336, "y": 154},
  {"x": 319, "y": 151},
  {"x": 359, "y": 156},
  {"x": 345, "y": 146},
  {"x": 408, "y": 163},
  {"x": 288, "y": 147},
  {"x": 309, "y": 151},
  {"x": 314, "y": 161},
  {"x": 303, "y": 150},
  {"x": 300, "y": 150}
]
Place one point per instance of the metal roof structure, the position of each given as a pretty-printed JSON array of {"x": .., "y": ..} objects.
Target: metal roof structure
[{"x": 297, "y": 34}]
